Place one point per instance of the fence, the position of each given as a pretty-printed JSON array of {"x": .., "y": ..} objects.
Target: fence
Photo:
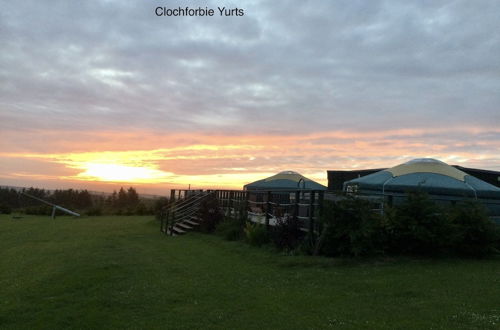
[{"x": 267, "y": 206}]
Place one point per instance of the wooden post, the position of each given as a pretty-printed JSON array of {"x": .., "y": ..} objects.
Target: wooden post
[
  {"x": 296, "y": 206},
  {"x": 268, "y": 208},
  {"x": 171, "y": 223},
  {"x": 162, "y": 220},
  {"x": 321, "y": 198},
  {"x": 167, "y": 221},
  {"x": 311, "y": 214},
  {"x": 242, "y": 204},
  {"x": 239, "y": 198},
  {"x": 172, "y": 195},
  {"x": 231, "y": 204},
  {"x": 245, "y": 210}
]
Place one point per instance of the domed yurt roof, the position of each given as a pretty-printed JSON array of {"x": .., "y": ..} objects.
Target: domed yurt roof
[
  {"x": 425, "y": 174},
  {"x": 286, "y": 180}
]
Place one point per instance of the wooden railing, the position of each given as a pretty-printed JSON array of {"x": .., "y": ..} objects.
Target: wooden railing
[
  {"x": 265, "y": 206},
  {"x": 183, "y": 207}
]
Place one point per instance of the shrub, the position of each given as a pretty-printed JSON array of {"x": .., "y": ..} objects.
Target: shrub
[
  {"x": 94, "y": 211},
  {"x": 309, "y": 246},
  {"x": 475, "y": 234},
  {"x": 350, "y": 227},
  {"x": 286, "y": 234},
  {"x": 5, "y": 209},
  {"x": 230, "y": 229},
  {"x": 210, "y": 214},
  {"x": 256, "y": 234},
  {"x": 418, "y": 226}
]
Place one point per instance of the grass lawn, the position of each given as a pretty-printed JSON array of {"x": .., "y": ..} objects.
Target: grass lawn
[{"x": 120, "y": 272}]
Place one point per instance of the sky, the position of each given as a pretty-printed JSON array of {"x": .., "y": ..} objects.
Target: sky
[{"x": 102, "y": 94}]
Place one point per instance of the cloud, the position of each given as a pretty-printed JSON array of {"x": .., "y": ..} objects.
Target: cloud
[
  {"x": 232, "y": 161},
  {"x": 307, "y": 66},
  {"x": 98, "y": 76}
]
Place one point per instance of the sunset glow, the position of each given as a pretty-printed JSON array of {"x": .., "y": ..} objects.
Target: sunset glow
[
  {"x": 219, "y": 163},
  {"x": 121, "y": 173},
  {"x": 116, "y": 97}
]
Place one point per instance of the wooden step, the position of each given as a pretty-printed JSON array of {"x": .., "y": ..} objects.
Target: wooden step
[
  {"x": 191, "y": 222},
  {"x": 183, "y": 225},
  {"x": 177, "y": 230}
]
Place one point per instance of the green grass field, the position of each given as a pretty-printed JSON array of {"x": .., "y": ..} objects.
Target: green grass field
[{"x": 120, "y": 272}]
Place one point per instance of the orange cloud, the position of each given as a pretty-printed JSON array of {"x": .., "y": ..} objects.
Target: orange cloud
[{"x": 153, "y": 159}]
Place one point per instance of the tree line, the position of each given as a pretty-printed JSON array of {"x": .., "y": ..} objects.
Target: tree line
[{"x": 121, "y": 202}]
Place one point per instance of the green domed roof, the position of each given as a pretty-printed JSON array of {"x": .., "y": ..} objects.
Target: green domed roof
[
  {"x": 286, "y": 180},
  {"x": 426, "y": 174}
]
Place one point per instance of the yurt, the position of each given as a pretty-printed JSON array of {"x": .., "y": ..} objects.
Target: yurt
[
  {"x": 441, "y": 181},
  {"x": 287, "y": 180}
]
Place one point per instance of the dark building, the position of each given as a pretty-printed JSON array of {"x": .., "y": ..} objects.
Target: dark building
[
  {"x": 492, "y": 177},
  {"x": 336, "y": 179}
]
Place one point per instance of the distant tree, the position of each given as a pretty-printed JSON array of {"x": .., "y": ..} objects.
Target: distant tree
[
  {"x": 9, "y": 197},
  {"x": 159, "y": 204},
  {"x": 141, "y": 209},
  {"x": 84, "y": 200},
  {"x": 132, "y": 197},
  {"x": 39, "y": 193},
  {"x": 112, "y": 200},
  {"x": 122, "y": 198}
]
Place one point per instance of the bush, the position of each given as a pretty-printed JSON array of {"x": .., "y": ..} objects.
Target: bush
[
  {"x": 40, "y": 210},
  {"x": 475, "y": 234},
  {"x": 256, "y": 234},
  {"x": 230, "y": 229},
  {"x": 210, "y": 214},
  {"x": 286, "y": 234},
  {"x": 5, "y": 209},
  {"x": 350, "y": 227},
  {"x": 418, "y": 226},
  {"x": 94, "y": 211},
  {"x": 415, "y": 227}
]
